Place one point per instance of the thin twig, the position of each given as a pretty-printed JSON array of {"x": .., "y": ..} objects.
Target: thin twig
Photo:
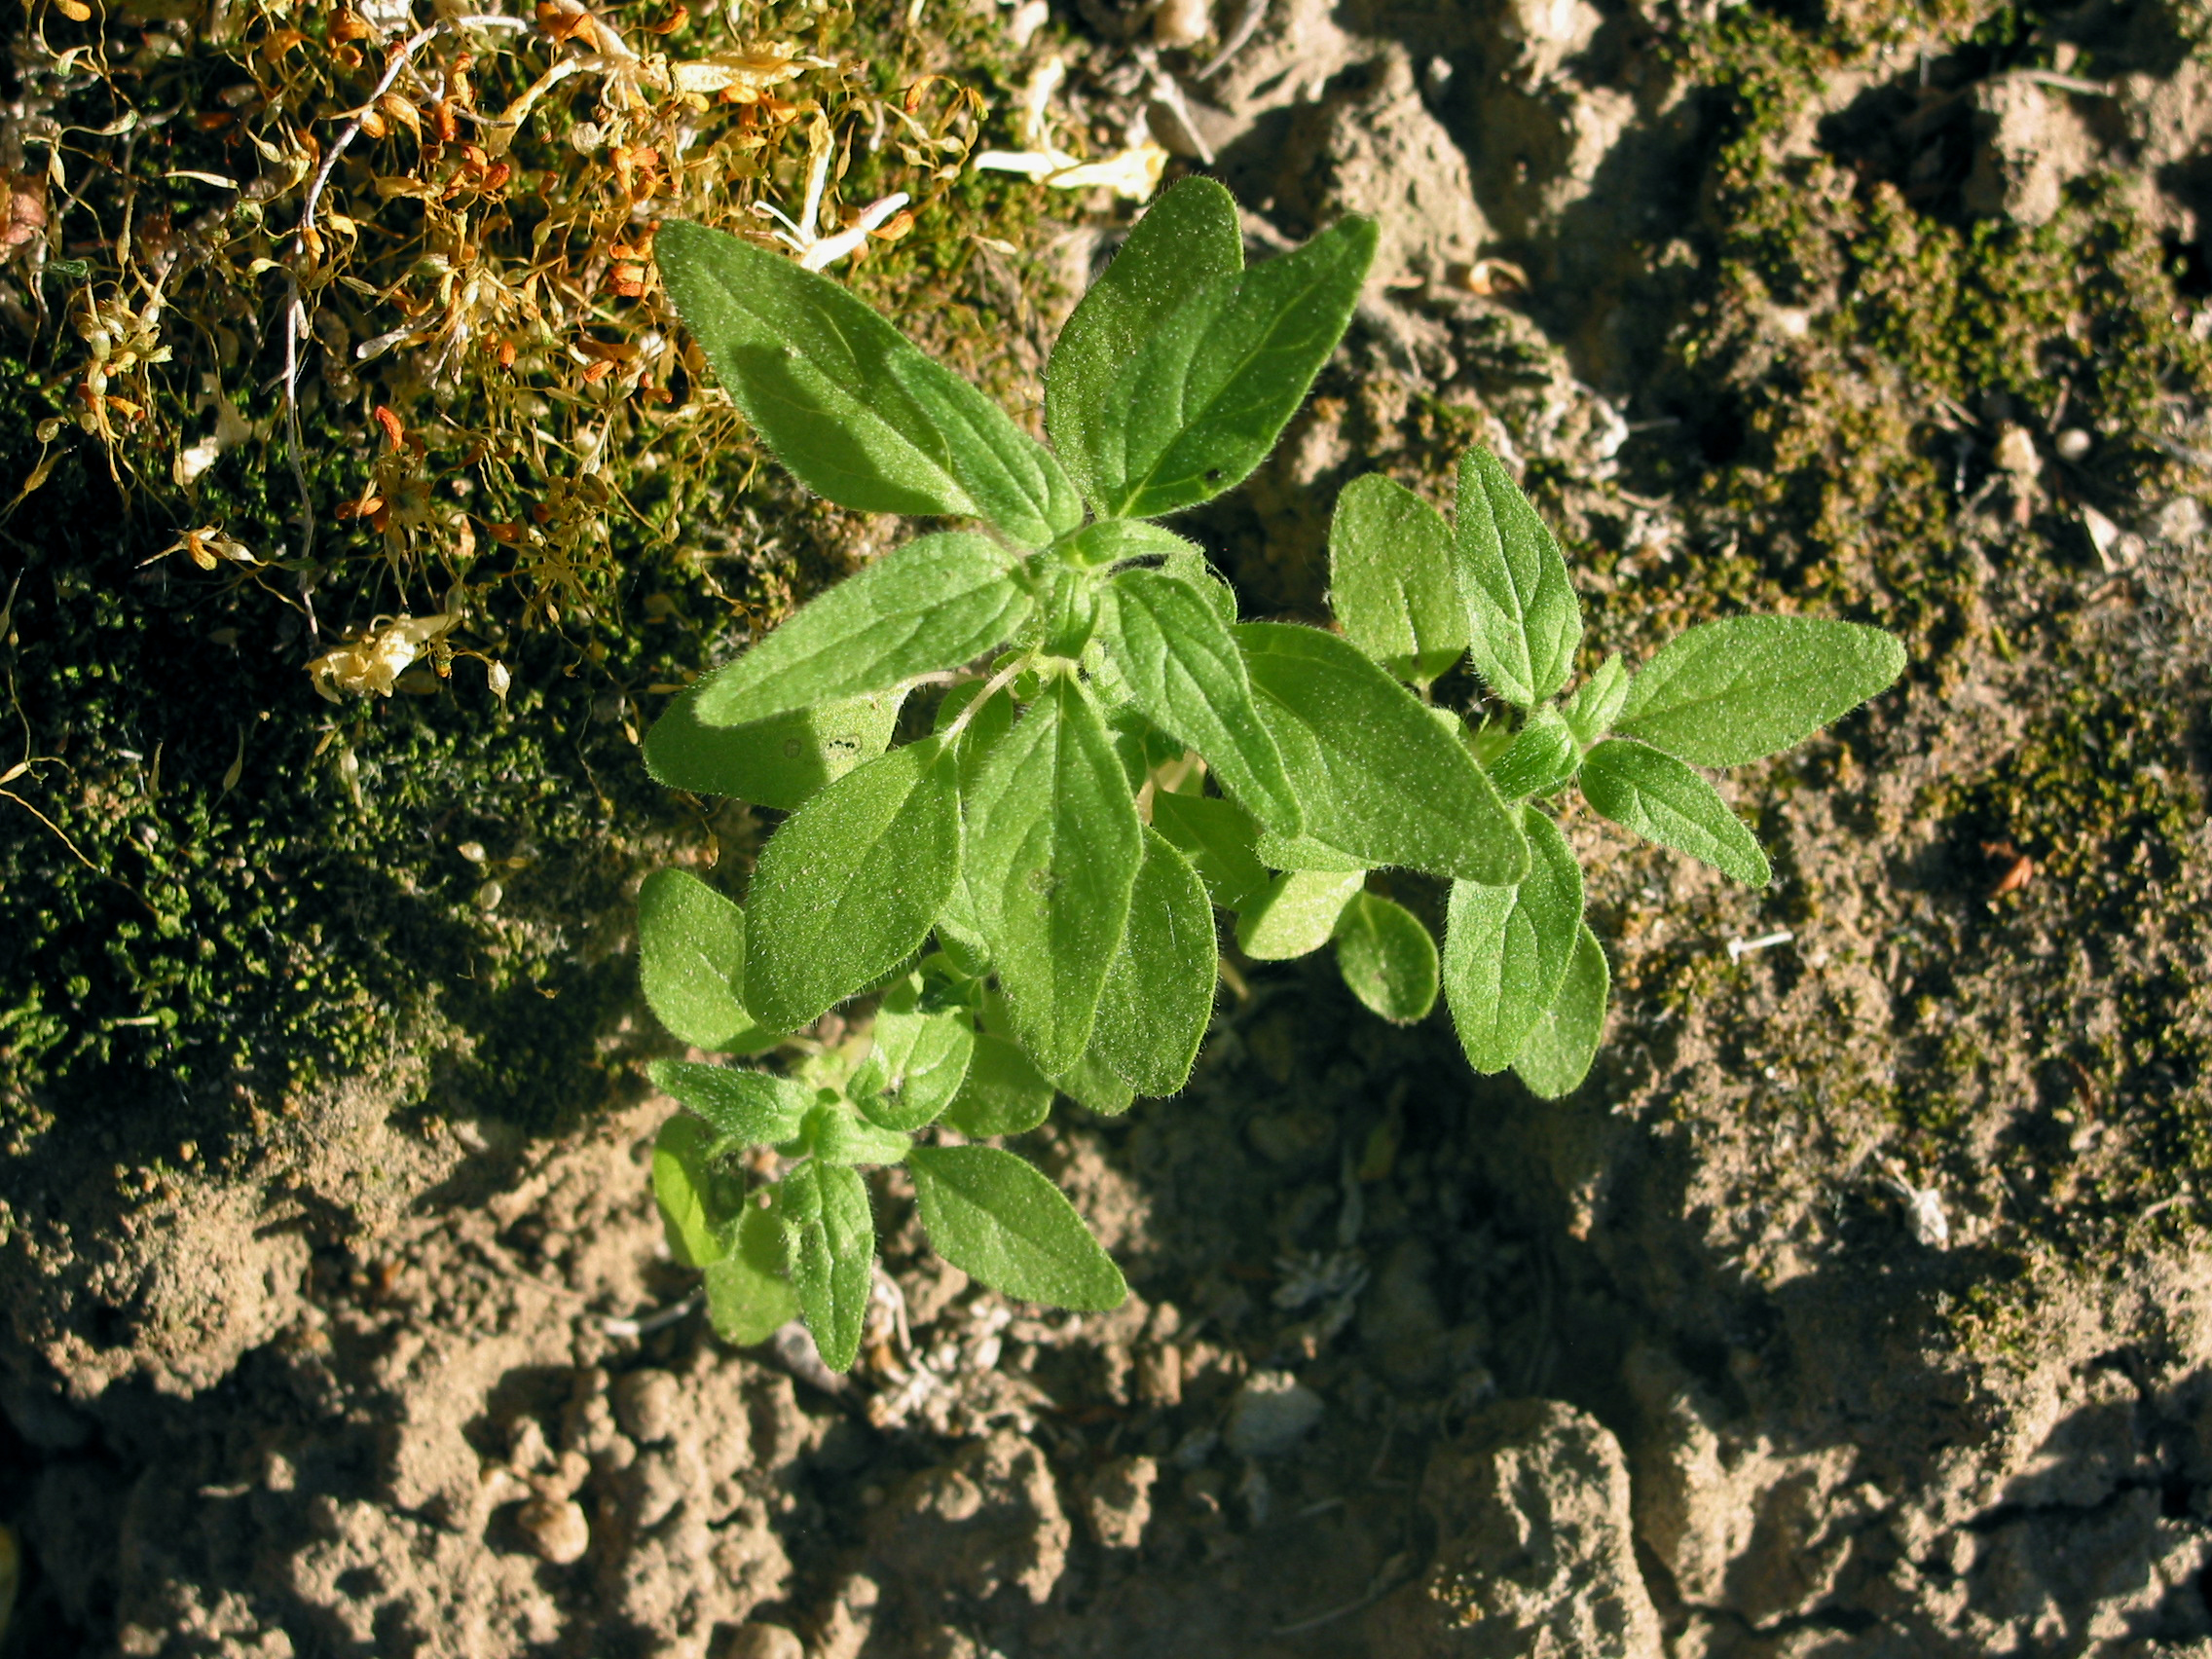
[{"x": 1241, "y": 31}]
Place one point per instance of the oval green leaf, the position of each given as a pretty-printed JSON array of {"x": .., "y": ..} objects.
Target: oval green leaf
[
  {"x": 847, "y": 403},
  {"x": 1182, "y": 667},
  {"x": 1388, "y": 958},
  {"x": 1560, "y": 1046},
  {"x": 929, "y": 604},
  {"x": 848, "y": 886},
  {"x": 1158, "y": 994},
  {"x": 1207, "y": 395},
  {"x": 1189, "y": 238},
  {"x": 755, "y": 1107},
  {"x": 687, "y": 1189},
  {"x": 1390, "y": 578},
  {"x": 999, "y": 1221},
  {"x": 832, "y": 1255},
  {"x": 1524, "y": 621},
  {"x": 1663, "y": 800},
  {"x": 1054, "y": 844},
  {"x": 1740, "y": 690},
  {"x": 779, "y": 762},
  {"x": 691, "y": 963},
  {"x": 1380, "y": 778},
  {"x": 1506, "y": 948}
]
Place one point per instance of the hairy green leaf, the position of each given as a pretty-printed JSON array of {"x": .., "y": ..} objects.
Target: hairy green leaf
[
  {"x": 1183, "y": 668},
  {"x": 1522, "y": 618},
  {"x": 756, "y": 1106},
  {"x": 918, "y": 1063},
  {"x": 836, "y": 1134},
  {"x": 1541, "y": 757},
  {"x": 1209, "y": 391},
  {"x": 1596, "y": 702},
  {"x": 1304, "y": 852},
  {"x": 1296, "y": 914},
  {"x": 687, "y": 1189},
  {"x": 1557, "y": 1056},
  {"x": 1188, "y": 239},
  {"x": 1159, "y": 995},
  {"x": 1749, "y": 687},
  {"x": 1390, "y": 578},
  {"x": 999, "y": 1221},
  {"x": 748, "y": 1302},
  {"x": 1217, "y": 837},
  {"x": 929, "y": 604},
  {"x": 1379, "y": 778},
  {"x": 1003, "y": 1093},
  {"x": 847, "y": 403},
  {"x": 1386, "y": 957},
  {"x": 779, "y": 762},
  {"x": 1094, "y": 1084},
  {"x": 832, "y": 1252},
  {"x": 1506, "y": 948},
  {"x": 691, "y": 962},
  {"x": 848, "y": 886},
  {"x": 1663, "y": 800},
  {"x": 1054, "y": 843}
]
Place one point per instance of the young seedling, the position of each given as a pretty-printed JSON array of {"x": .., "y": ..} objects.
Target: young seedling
[{"x": 1028, "y": 883}]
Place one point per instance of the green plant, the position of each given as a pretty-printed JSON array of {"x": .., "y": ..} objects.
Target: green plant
[{"x": 1052, "y": 829}]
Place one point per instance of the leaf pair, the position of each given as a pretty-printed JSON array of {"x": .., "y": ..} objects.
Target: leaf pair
[{"x": 1179, "y": 367}]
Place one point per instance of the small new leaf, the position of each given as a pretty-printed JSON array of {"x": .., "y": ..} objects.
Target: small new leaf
[
  {"x": 1390, "y": 578},
  {"x": 1663, "y": 800},
  {"x": 1749, "y": 687},
  {"x": 1596, "y": 702},
  {"x": 934, "y": 604},
  {"x": 1541, "y": 757},
  {"x": 1524, "y": 621},
  {"x": 1557, "y": 1055},
  {"x": 837, "y": 1135},
  {"x": 1158, "y": 993},
  {"x": 999, "y": 1221},
  {"x": 1506, "y": 948},
  {"x": 1386, "y": 957},
  {"x": 848, "y": 886},
  {"x": 916, "y": 1065}
]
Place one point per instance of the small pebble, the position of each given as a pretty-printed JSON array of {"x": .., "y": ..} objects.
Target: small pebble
[
  {"x": 1271, "y": 1413},
  {"x": 1181, "y": 22},
  {"x": 646, "y": 1404},
  {"x": 556, "y": 1529},
  {"x": 2072, "y": 444},
  {"x": 764, "y": 1642},
  {"x": 1160, "y": 1376}
]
